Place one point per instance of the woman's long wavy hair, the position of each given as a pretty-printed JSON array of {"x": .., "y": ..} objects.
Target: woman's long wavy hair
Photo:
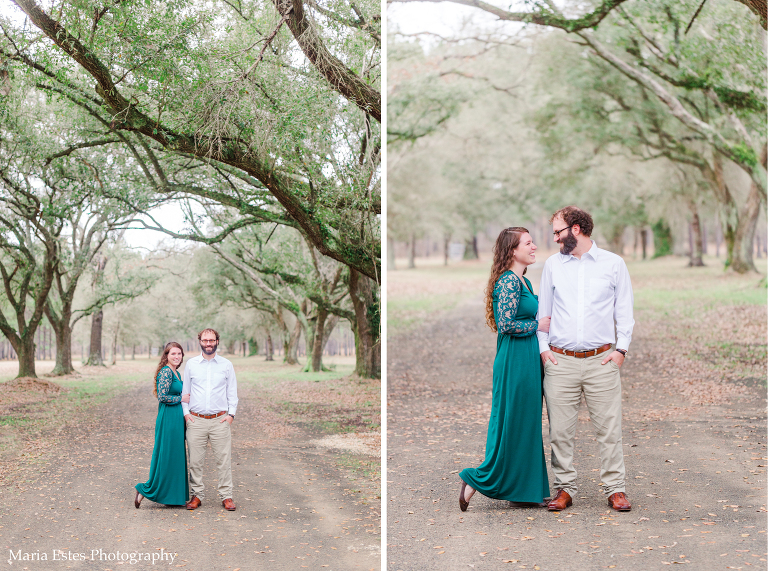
[
  {"x": 506, "y": 243},
  {"x": 164, "y": 360}
]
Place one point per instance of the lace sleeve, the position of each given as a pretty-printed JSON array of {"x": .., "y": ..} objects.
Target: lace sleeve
[
  {"x": 164, "y": 380},
  {"x": 508, "y": 294}
]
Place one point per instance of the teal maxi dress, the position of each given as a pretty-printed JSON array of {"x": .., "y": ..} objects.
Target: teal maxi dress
[
  {"x": 514, "y": 468},
  {"x": 168, "y": 483}
]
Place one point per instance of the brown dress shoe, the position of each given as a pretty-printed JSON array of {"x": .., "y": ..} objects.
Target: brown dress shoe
[
  {"x": 561, "y": 501},
  {"x": 463, "y": 504},
  {"x": 229, "y": 505},
  {"x": 619, "y": 502},
  {"x": 194, "y": 503}
]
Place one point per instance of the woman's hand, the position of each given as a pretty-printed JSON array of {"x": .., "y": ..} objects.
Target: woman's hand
[
  {"x": 544, "y": 324},
  {"x": 185, "y": 398}
]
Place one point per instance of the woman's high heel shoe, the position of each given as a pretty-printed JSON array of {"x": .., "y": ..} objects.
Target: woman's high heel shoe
[
  {"x": 137, "y": 499},
  {"x": 463, "y": 504}
]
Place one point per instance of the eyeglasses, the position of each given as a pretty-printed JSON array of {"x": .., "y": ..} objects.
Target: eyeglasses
[
  {"x": 208, "y": 341},
  {"x": 556, "y": 233}
]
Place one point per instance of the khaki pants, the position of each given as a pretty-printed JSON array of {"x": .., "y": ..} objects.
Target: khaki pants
[
  {"x": 199, "y": 433},
  {"x": 601, "y": 384}
]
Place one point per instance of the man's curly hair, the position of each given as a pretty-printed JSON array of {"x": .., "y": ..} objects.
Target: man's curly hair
[{"x": 572, "y": 215}]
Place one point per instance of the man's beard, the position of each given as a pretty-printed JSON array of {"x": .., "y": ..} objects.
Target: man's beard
[
  {"x": 568, "y": 243},
  {"x": 209, "y": 349}
]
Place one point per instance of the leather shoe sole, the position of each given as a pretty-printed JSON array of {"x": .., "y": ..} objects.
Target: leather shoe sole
[{"x": 137, "y": 499}]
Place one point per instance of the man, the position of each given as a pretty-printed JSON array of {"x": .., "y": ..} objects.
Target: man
[
  {"x": 210, "y": 381},
  {"x": 586, "y": 291}
]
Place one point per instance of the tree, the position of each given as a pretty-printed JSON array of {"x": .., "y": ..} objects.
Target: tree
[
  {"x": 693, "y": 121},
  {"x": 172, "y": 77},
  {"x": 291, "y": 274},
  {"x": 545, "y": 13},
  {"x": 29, "y": 248},
  {"x": 126, "y": 278}
]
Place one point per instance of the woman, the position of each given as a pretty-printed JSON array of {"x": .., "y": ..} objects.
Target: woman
[
  {"x": 514, "y": 468},
  {"x": 168, "y": 482}
]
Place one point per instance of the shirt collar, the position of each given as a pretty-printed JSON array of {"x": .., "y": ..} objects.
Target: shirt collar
[
  {"x": 202, "y": 358},
  {"x": 592, "y": 253}
]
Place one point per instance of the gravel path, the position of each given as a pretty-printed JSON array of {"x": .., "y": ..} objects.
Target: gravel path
[
  {"x": 295, "y": 508},
  {"x": 695, "y": 472}
]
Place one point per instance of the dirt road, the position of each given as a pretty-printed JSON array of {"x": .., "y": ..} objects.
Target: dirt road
[
  {"x": 296, "y": 508},
  {"x": 695, "y": 451}
]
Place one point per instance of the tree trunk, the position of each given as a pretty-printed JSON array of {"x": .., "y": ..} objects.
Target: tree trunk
[
  {"x": 616, "y": 239},
  {"x": 291, "y": 357},
  {"x": 718, "y": 236},
  {"x": 289, "y": 351},
  {"x": 635, "y": 243},
  {"x": 446, "y": 245},
  {"x": 412, "y": 253},
  {"x": 317, "y": 345},
  {"x": 114, "y": 345},
  {"x": 133, "y": 352},
  {"x": 25, "y": 351},
  {"x": 470, "y": 251},
  {"x": 62, "y": 330},
  {"x": 729, "y": 211},
  {"x": 24, "y": 347},
  {"x": 94, "y": 354},
  {"x": 744, "y": 235},
  {"x": 366, "y": 326},
  {"x": 330, "y": 325},
  {"x": 694, "y": 238},
  {"x": 270, "y": 348},
  {"x": 63, "y": 335},
  {"x": 391, "y": 253},
  {"x": 644, "y": 239}
]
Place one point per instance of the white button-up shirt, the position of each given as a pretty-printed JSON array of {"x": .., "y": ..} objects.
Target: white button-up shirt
[
  {"x": 585, "y": 297},
  {"x": 212, "y": 386}
]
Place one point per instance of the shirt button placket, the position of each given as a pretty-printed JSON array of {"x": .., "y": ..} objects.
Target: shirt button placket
[
  {"x": 208, "y": 387},
  {"x": 580, "y": 304}
]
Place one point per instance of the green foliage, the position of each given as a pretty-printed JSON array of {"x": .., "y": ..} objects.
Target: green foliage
[
  {"x": 745, "y": 154},
  {"x": 662, "y": 238},
  {"x": 223, "y": 82}
]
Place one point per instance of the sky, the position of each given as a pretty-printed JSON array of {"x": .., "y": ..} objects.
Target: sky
[{"x": 442, "y": 18}]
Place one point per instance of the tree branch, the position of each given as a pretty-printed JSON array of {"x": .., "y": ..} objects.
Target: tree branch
[
  {"x": 338, "y": 75},
  {"x": 544, "y": 16}
]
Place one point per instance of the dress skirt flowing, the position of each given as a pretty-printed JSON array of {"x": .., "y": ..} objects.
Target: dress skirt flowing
[
  {"x": 514, "y": 468},
  {"x": 168, "y": 477}
]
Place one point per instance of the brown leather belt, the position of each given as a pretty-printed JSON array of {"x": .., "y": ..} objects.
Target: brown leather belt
[
  {"x": 582, "y": 354},
  {"x": 218, "y": 414}
]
